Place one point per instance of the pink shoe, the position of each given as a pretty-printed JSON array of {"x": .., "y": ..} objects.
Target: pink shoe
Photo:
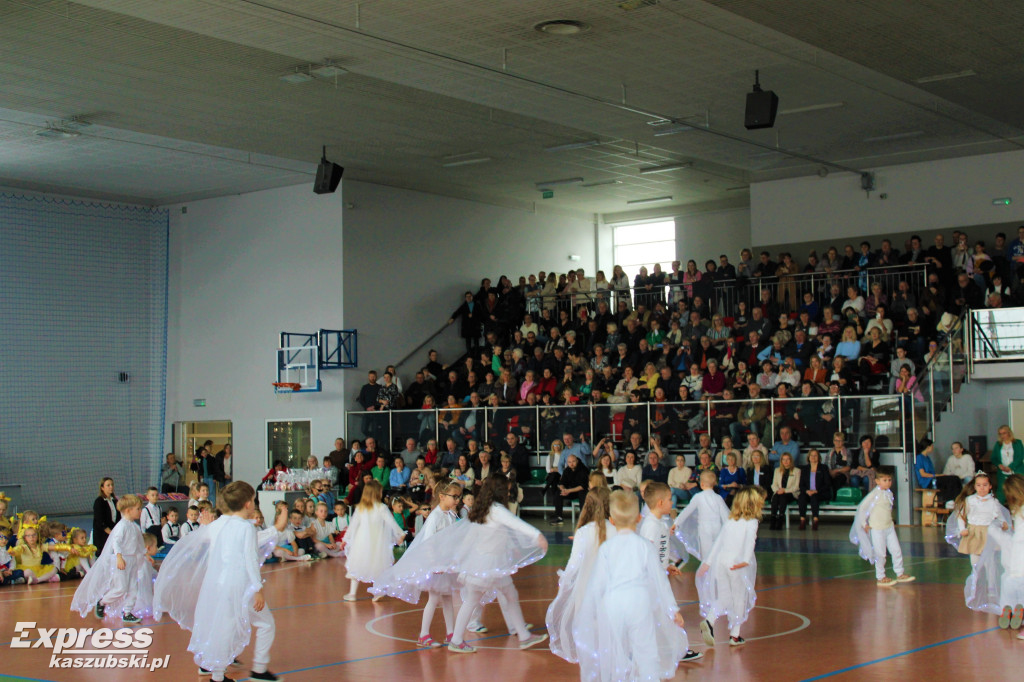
[
  {"x": 427, "y": 642},
  {"x": 54, "y": 579}
]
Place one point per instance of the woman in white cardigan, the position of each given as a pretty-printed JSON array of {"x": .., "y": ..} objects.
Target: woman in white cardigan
[{"x": 785, "y": 488}]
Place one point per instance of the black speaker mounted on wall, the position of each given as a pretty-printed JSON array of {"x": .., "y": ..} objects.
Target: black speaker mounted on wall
[
  {"x": 328, "y": 176},
  {"x": 762, "y": 105}
]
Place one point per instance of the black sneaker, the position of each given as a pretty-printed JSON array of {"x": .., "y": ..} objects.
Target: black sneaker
[
  {"x": 558, "y": 521},
  {"x": 691, "y": 656},
  {"x": 130, "y": 618},
  {"x": 267, "y": 675},
  {"x": 100, "y": 611},
  {"x": 737, "y": 641}
]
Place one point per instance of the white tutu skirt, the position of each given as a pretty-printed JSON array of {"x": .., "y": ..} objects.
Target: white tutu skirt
[
  {"x": 482, "y": 557},
  {"x": 724, "y": 592},
  {"x": 410, "y": 577},
  {"x": 127, "y": 591},
  {"x": 369, "y": 544},
  {"x": 572, "y": 588},
  {"x": 177, "y": 587}
]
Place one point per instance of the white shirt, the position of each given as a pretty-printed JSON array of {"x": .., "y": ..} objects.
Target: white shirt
[
  {"x": 171, "y": 533},
  {"x": 981, "y": 511},
  {"x": 654, "y": 531},
  {"x": 150, "y": 516},
  {"x": 962, "y": 467},
  {"x": 188, "y": 527}
]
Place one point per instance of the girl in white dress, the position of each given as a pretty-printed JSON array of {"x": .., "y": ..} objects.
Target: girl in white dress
[
  {"x": 996, "y": 584},
  {"x": 592, "y": 530},
  {"x": 725, "y": 579},
  {"x": 409, "y": 577},
  {"x": 486, "y": 552},
  {"x": 370, "y": 539}
]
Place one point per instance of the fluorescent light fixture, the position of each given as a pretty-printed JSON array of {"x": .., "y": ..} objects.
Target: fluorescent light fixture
[
  {"x": 652, "y": 200},
  {"x": 328, "y": 71},
  {"x": 895, "y": 136},
  {"x": 466, "y": 162},
  {"x": 738, "y": 188},
  {"x": 573, "y": 145},
  {"x": 57, "y": 133},
  {"x": 599, "y": 183},
  {"x": 665, "y": 168},
  {"x": 673, "y": 131},
  {"x": 563, "y": 181},
  {"x": 813, "y": 107},
  {"x": 966, "y": 73},
  {"x": 296, "y": 77}
]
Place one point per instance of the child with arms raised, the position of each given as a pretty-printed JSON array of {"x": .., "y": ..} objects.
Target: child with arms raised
[
  {"x": 874, "y": 532},
  {"x": 210, "y": 583},
  {"x": 725, "y": 579},
  {"x": 409, "y": 577},
  {"x": 628, "y": 626}
]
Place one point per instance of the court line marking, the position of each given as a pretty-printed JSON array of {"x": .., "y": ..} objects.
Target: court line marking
[{"x": 898, "y": 655}]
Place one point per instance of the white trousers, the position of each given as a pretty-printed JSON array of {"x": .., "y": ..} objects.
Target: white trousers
[
  {"x": 263, "y": 623},
  {"x": 508, "y": 600},
  {"x": 882, "y": 540}
]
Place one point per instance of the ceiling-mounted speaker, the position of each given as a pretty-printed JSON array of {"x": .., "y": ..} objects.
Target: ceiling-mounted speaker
[
  {"x": 328, "y": 176},
  {"x": 762, "y": 106}
]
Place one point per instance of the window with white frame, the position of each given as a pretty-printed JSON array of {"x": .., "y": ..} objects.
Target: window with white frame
[{"x": 644, "y": 244}]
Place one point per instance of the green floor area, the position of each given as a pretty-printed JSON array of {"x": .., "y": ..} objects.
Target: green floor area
[{"x": 821, "y": 555}]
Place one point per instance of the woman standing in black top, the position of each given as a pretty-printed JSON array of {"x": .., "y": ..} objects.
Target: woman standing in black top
[{"x": 104, "y": 514}]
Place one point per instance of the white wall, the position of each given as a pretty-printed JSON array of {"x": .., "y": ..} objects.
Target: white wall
[
  {"x": 409, "y": 256},
  {"x": 920, "y": 197},
  {"x": 705, "y": 236},
  {"x": 243, "y": 269},
  {"x": 980, "y": 408}
]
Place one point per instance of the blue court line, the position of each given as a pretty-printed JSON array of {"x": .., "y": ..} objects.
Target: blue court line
[
  {"x": 902, "y": 653},
  {"x": 371, "y": 658}
]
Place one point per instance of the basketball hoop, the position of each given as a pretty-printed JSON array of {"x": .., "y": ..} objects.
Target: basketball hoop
[{"x": 285, "y": 386}]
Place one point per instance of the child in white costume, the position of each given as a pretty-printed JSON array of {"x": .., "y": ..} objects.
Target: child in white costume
[
  {"x": 628, "y": 626},
  {"x": 112, "y": 584},
  {"x": 369, "y": 540},
  {"x": 485, "y": 551},
  {"x": 701, "y": 521},
  {"x": 996, "y": 583},
  {"x": 970, "y": 522},
  {"x": 592, "y": 530},
  {"x": 210, "y": 584},
  {"x": 725, "y": 579},
  {"x": 408, "y": 578},
  {"x": 874, "y": 533}
]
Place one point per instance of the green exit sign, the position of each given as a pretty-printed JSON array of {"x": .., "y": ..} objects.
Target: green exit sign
[
  {"x": 199, "y": 402},
  {"x": 1002, "y": 201},
  {"x": 547, "y": 194}
]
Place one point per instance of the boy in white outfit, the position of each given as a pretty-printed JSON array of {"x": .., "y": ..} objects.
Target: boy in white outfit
[
  {"x": 654, "y": 529},
  {"x": 873, "y": 530}
]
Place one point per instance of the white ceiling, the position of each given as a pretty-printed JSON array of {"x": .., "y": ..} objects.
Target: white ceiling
[{"x": 186, "y": 101}]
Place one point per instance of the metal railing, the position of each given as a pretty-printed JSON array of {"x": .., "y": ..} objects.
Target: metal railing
[
  {"x": 786, "y": 290},
  {"x": 995, "y": 334},
  {"x": 678, "y": 424}
]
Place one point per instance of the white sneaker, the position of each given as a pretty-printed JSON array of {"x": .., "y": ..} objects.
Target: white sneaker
[{"x": 476, "y": 627}]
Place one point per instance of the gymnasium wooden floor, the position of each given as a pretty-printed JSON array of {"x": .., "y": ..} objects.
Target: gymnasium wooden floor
[{"x": 819, "y": 616}]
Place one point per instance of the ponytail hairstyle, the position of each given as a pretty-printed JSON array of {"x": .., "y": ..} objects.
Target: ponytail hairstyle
[
  {"x": 494, "y": 490},
  {"x": 596, "y": 509},
  {"x": 960, "y": 504}
]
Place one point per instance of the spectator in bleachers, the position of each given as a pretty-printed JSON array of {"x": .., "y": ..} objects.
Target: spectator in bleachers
[
  {"x": 862, "y": 474},
  {"x": 840, "y": 461},
  {"x": 750, "y": 418},
  {"x": 754, "y": 444},
  {"x": 785, "y": 445},
  {"x": 815, "y": 486},
  {"x": 759, "y": 471},
  {"x": 654, "y": 470},
  {"x": 785, "y": 488},
  {"x": 573, "y": 485}
]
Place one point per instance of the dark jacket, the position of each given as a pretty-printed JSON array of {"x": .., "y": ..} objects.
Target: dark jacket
[{"x": 102, "y": 520}]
